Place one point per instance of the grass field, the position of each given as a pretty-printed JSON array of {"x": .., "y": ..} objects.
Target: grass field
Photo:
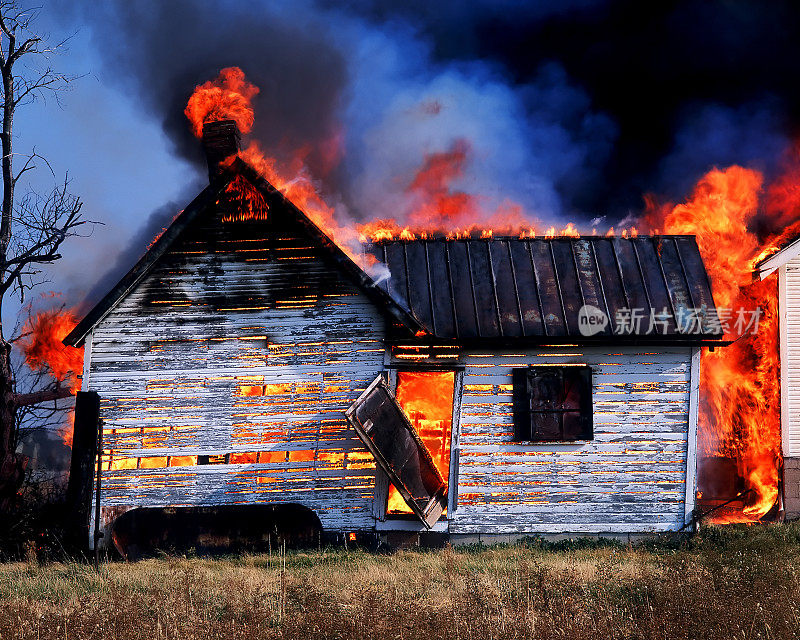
[{"x": 730, "y": 583}]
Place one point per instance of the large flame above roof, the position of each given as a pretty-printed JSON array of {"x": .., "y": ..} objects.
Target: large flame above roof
[
  {"x": 228, "y": 97},
  {"x": 740, "y": 409}
]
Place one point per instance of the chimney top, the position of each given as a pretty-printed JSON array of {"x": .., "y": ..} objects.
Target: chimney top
[{"x": 221, "y": 139}]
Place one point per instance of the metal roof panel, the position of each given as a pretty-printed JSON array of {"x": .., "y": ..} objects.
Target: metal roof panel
[{"x": 511, "y": 288}]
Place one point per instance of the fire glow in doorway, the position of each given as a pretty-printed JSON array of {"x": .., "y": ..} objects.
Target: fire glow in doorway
[{"x": 427, "y": 399}]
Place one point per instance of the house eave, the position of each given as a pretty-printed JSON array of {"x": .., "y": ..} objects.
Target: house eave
[
  {"x": 769, "y": 265},
  {"x": 543, "y": 341},
  {"x": 77, "y": 336}
]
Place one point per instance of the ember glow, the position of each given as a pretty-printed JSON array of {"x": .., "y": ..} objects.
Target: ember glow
[
  {"x": 243, "y": 202},
  {"x": 427, "y": 399},
  {"x": 740, "y": 395}
]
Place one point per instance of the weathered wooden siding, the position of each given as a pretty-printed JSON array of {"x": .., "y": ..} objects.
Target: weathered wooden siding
[
  {"x": 630, "y": 478},
  {"x": 789, "y": 308},
  {"x": 235, "y": 308}
]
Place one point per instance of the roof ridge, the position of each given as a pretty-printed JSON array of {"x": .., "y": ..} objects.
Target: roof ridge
[{"x": 526, "y": 238}]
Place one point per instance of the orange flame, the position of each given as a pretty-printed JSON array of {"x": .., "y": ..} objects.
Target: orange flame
[
  {"x": 43, "y": 350},
  {"x": 439, "y": 206},
  {"x": 740, "y": 395},
  {"x": 295, "y": 182},
  {"x": 243, "y": 202},
  {"x": 228, "y": 97}
]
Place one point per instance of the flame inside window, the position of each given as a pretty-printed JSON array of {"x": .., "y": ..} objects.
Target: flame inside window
[
  {"x": 242, "y": 202},
  {"x": 427, "y": 399}
]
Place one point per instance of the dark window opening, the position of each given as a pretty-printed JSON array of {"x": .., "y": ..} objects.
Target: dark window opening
[{"x": 553, "y": 404}]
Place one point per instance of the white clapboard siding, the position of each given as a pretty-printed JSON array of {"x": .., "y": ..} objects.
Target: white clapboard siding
[
  {"x": 171, "y": 359},
  {"x": 789, "y": 285},
  {"x": 631, "y": 477}
]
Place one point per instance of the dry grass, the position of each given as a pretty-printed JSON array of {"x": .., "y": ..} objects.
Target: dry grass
[{"x": 732, "y": 583}]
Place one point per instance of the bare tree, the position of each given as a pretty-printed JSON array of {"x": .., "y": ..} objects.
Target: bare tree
[{"x": 32, "y": 226}]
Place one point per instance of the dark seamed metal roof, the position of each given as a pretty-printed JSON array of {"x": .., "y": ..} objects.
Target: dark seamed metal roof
[{"x": 535, "y": 287}]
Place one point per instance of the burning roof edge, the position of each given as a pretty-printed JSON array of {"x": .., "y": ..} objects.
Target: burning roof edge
[
  {"x": 767, "y": 266},
  {"x": 393, "y": 305},
  {"x": 208, "y": 195},
  {"x": 76, "y": 337}
]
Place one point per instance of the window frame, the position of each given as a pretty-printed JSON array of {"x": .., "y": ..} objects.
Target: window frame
[{"x": 525, "y": 430}]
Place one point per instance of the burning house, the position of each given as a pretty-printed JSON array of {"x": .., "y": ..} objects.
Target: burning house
[{"x": 471, "y": 387}]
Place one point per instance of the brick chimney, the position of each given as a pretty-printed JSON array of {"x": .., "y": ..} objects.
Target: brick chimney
[{"x": 221, "y": 139}]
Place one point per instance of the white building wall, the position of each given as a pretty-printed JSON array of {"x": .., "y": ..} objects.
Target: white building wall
[
  {"x": 789, "y": 308},
  {"x": 630, "y": 478}
]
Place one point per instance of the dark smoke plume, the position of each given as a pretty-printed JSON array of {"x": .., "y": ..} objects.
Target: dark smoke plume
[
  {"x": 355, "y": 86},
  {"x": 572, "y": 109}
]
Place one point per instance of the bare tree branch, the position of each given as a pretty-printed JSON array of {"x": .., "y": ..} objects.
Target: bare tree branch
[
  {"x": 37, "y": 397},
  {"x": 33, "y": 228}
]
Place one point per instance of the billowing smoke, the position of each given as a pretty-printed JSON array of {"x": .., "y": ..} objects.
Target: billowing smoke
[
  {"x": 571, "y": 110},
  {"x": 134, "y": 248},
  {"x": 367, "y": 98}
]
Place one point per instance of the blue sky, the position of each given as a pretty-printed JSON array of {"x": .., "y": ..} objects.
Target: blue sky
[{"x": 118, "y": 160}]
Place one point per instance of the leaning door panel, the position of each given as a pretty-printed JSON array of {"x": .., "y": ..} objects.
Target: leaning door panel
[{"x": 386, "y": 432}]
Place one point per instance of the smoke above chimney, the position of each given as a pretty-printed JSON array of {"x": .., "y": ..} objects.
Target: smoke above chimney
[{"x": 221, "y": 140}]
